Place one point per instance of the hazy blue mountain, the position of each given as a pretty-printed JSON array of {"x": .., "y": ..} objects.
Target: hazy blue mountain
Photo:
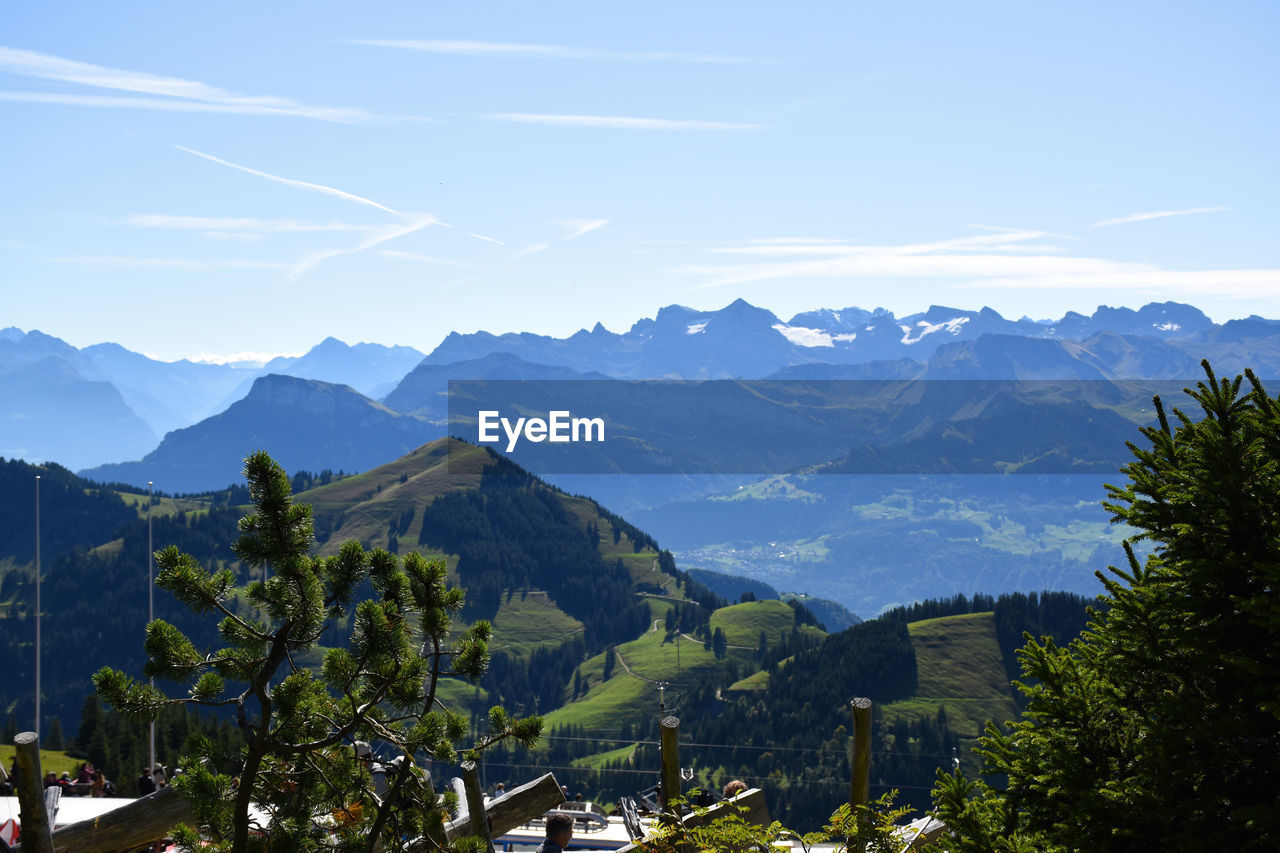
[
  {"x": 372, "y": 369},
  {"x": 168, "y": 395},
  {"x": 50, "y": 411},
  {"x": 305, "y": 425},
  {"x": 1134, "y": 357},
  {"x": 424, "y": 391},
  {"x": 133, "y": 400},
  {"x": 18, "y": 348},
  {"x": 1164, "y": 320},
  {"x": 737, "y": 340},
  {"x": 1010, "y": 357}
]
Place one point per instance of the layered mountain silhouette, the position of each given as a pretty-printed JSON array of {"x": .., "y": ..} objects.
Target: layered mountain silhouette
[
  {"x": 52, "y": 409},
  {"x": 57, "y": 406},
  {"x": 742, "y": 341},
  {"x": 303, "y": 423},
  {"x": 105, "y": 404}
]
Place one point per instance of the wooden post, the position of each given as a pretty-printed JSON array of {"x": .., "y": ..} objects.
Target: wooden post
[
  {"x": 475, "y": 803},
  {"x": 670, "y": 762},
  {"x": 37, "y": 834},
  {"x": 860, "y": 785},
  {"x": 132, "y": 825}
]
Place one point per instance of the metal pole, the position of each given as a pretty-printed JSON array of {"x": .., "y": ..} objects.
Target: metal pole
[
  {"x": 151, "y": 616},
  {"x": 37, "y": 728}
]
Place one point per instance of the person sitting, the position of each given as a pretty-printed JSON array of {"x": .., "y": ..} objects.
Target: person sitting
[
  {"x": 146, "y": 785},
  {"x": 98, "y": 787},
  {"x": 559, "y": 833}
]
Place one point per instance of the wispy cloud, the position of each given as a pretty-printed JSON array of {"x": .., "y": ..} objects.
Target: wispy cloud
[
  {"x": 194, "y": 264},
  {"x": 306, "y": 185},
  {"x": 1007, "y": 259},
  {"x": 1236, "y": 283},
  {"x": 621, "y": 122},
  {"x": 243, "y": 236},
  {"x": 175, "y": 93},
  {"x": 529, "y": 250},
  {"x": 377, "y": 235},
  {"x": 486, "y": 239},
  {"x": 806, "y": 241},
  {"x": 1007, "y": 241},
  {"x": 417, "y": 257},
  {"x": 383, "y": 235},
  {"x": 582, "y": 226},
  {"x": 238, "y": 223},
  {"x": 544, "y": 51},
  {"x": 1159, "y": 214}
]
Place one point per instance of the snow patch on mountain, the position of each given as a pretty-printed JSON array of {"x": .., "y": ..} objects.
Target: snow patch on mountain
[
  {"x": 924, "y": 328},
  {"x": 805, "y": 337},
  {"x": 696, "y": 329}
]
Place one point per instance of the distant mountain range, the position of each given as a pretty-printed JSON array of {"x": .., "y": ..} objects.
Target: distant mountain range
[
  {"x": 106, "y": 406},
  {"x": 742, "y": 341},
  {"x": 104, "y": 403}
]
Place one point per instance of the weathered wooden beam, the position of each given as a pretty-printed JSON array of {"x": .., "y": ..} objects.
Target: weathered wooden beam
[
  {"x": 670, "y": 776},
  {"x": 36, "y": 826},
  {"x": 145, "y": 819},
  {"x": 753, "y": 800},
  {"x": 518, "y": 807},
  {"x": 475, "y": 803}
]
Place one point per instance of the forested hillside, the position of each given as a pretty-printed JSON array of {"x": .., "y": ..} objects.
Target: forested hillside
[
  {"x": 595, "y": 627},
  {"x": 781, "y": 719}
]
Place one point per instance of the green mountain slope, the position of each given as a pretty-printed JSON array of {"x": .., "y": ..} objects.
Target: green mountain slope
[
  {"x": 959, "y": 667},
  {"x": 744, "y": 623}
]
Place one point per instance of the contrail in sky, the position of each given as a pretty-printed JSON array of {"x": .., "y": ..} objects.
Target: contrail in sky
[{"x": 320, "y": 188}]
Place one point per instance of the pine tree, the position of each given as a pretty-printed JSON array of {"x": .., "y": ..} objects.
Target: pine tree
[
  {"x": 719, "y": 644},
  {"x": 297, "y": 763},
  {"x": 1159, "y": 726},
  {"x": 53, "y": 740}
]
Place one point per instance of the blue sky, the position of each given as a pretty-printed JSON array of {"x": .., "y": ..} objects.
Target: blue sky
[{"x": 197, "y": 179}]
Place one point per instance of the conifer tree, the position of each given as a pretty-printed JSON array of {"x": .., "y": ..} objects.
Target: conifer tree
[
  {"x": 1160, "y": 725},
  {"x": 298, "y": 764}
]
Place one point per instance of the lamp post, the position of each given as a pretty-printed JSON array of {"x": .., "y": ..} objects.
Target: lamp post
[
  {"x": 151, "y": 616},
  {"x": 37, "y": 728}
]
